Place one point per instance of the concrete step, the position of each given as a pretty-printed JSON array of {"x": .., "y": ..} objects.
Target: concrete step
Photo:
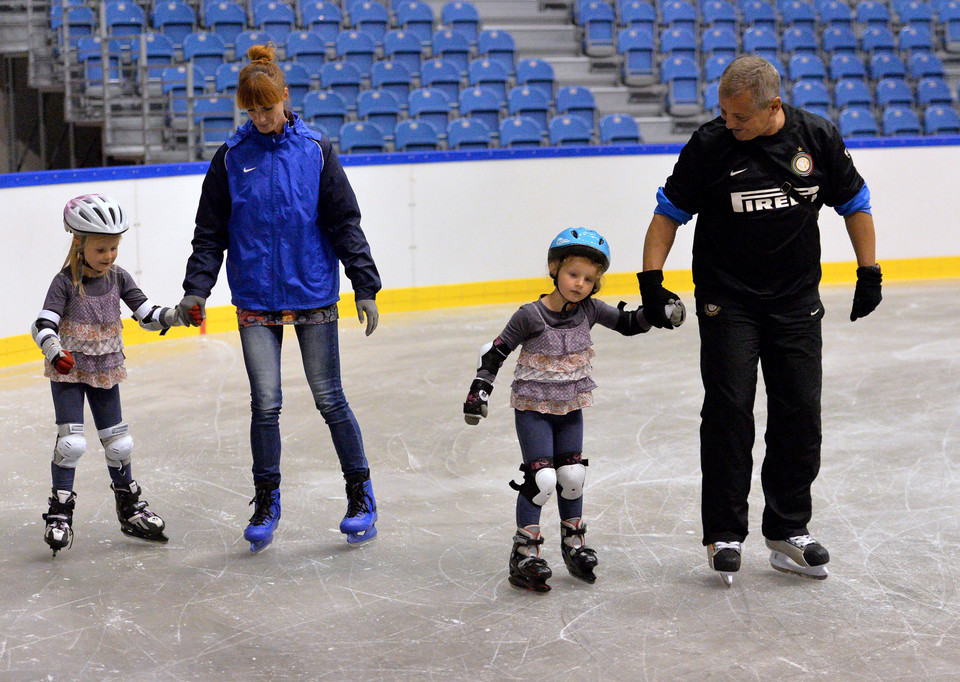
[
  {"x": 583, "y": 71},
  {"x": 546, "y": 39}
]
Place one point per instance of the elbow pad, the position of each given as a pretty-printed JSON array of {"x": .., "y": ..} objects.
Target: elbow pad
[
  {"x": 45, "y": 326},
  {"x": 151, "y": 316},
  {"x": 492, "y": 356},
  {"x": 631, "y": 322}
]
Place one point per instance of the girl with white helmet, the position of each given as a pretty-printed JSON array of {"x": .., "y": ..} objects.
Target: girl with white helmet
[
  {"x": 79, "y": 331},
  {"x": 551, "y": 386}
]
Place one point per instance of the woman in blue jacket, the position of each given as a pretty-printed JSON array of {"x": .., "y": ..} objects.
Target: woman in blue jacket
[{"x": 277, "y": 201}]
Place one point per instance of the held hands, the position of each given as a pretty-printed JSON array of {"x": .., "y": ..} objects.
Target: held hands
[
  {"x": 61, "y": 359},
  {"x": 867, "y": 295},
  {"x": 171, "y": 318},
  {"x": 368, "y": 308},
  {"x": 193, "y": 310},
  {"x": 475, "y": 406},
  {"x": 662, "y": 308}
]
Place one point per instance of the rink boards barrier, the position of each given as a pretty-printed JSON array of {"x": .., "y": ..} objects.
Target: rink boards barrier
[{"x": 453, "y": 229}]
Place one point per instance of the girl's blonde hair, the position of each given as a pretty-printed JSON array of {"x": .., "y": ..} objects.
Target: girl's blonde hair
[
  {"x": 261, "y": 82},
  {"x": 74, "y": 259}
]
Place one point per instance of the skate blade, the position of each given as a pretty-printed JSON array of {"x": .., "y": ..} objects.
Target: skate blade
[
  {"x": 783, "y": 563},
  {"x": 585, "y": 577},
  {"x": 726, "y": 578},
  {"x": 259, "y": 545},
  {"x": 527, "y": 585},
  {"x": 365, "y": 536},
  {"x": 160, "y": 538}
]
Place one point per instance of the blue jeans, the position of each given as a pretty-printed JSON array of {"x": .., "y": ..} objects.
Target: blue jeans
[
  {"x": 543, "y": 436},
  {"x": 320, "y": 350}
]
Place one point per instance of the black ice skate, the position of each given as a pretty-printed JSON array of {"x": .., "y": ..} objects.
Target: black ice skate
[
  {"x": 724, "y": 558},
  {"x": 580, "y": 560},
  {"x": 528, "y": 572},
  {"x": 800, "y": 555},
  {"x": 135, "y": 519},
  {"x": 59, "y": 531}
]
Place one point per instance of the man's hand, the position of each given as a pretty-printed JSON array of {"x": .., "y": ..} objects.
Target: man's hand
[
  {"x": 368, "y": 308},
  {"x": 867, "y": 295},
  {"x": 656, "y": 299},
  {"x": 193, "y": 310}
]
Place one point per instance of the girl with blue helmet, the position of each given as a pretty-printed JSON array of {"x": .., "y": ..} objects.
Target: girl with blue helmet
[{"x": 551, "y": 387}]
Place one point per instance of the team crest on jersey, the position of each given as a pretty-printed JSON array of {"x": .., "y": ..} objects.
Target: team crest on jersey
[
  {"x": 711, "y": 309},
  {"x": 802, "y": 164}
]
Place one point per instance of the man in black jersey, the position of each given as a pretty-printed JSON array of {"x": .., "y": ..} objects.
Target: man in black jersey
[{"x": 757, "y": 177}]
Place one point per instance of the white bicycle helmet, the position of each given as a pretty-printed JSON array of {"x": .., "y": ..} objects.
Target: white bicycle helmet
[{"x": 91, "y": 214}]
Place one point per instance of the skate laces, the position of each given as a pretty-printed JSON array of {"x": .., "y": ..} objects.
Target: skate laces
[
  {"x": 720, "y": 546},
  {"x": 263, "y": 499},
  {"x": 356, "y": 499},
  {"x": 801, "y": 541}
]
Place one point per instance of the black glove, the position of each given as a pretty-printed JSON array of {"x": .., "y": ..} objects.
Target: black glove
[
  {"x": 475, "y": 406},
  {"x": 656, "y": 299},
  {"x": 867, "y": 295}
]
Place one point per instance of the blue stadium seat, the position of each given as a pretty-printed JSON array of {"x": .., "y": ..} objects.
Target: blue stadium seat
[
  {"x": 175, "y": 19},
  {"x": 227, "y": 76},
  {"x": 678, "y": 14},
  {"x": 126, "y": 19},
  {"x": 174, "y": 85},
  {"x": 308, "y": 49},
  {"x": 370, "y": 17},
  {"x": 847, "y": 66},
  {"x": 950, "y": 18},
  {"x": 356, "y": 48},
  {"x": 761, "y": 40},
  {"x": 799, "y": 40},
  {"x": 807, "y": 66},
  {"x": 834, "y": 12},
  {"x": 851, "y": 92},
  {"x": 933, "y": 90},
  {"x": 324, "y": 18},
  {"x": 893, "y": 91},
  {"x": 529, "y": 102},
  {"x": 877, "y": 39},
  {"x": 872, "y": 12},
  {"x": 715, "y": 66},
  {"x": 839, "y": 38},
  {"x": 343, "y": 79},
  {"x": 640, "y": 14},
  {"x": 915, "y": 38},
  {"x": 857, "y": 122},
  {"x": 415, "y": 136},
  {"x": 719, "y": 40},
  {"x": 887, "y": 65},
  {"x": 55, "y": 13},
  {"x": 430, "y": 105},
  {"x": 682, "y": 77},
  {"x": 678, "y": 41},
  {"x": 813, "y": 96},
  {"x": 759, "y": 13},
  {"x": 536, "y": 73},
  {"x": 453, "y": 47},
  {"x": 380, "y": 108},
  {"x": 215, "y": 117},
  {"x": 325, "y": 109},
  {"x": 227, "y": 19},
  {"x": 463, "y": 17},
  {"x": 441, "y": 75},
  {"x": 358, "y": 137},
  {"x": 569, "y": 130},
  {"x": 798, "y": 14},
  {"x": 498, "y": 46},
  {"x": 416, "y": 17},
  {"x": 404, "y": 48},
  {"x": 636, "y": 45},
  {"x": 80, "y": 23},
  {"x": 597, "y": 19},
  {"x": 482, "y": 104},
  {"x": 393, "y": 77},
  {"x": 489, "y": 74},
  {"x": 206, "y": 50},
  {"x": 247, "y": 39},
  {"x": 619, "y": 129},
  {"x": 275, "y": 18},
  {"x": 915, "y": 12},
  {"x": 160, "y": 54},
  {"x": 468, "y": 133},
  {"x": 520, "y": 131},
  {"x": 711, "y": 98},
  {"x": 900, "y": 120},
  {"x": 925, "y": 65},
  {"x": 941, "y": 120},
  {"x": 298, "y": 82},
  {"x": 574, "y": 100},
  {"x": 89, "y": 54},
  {"x": 719, "y": 14}
]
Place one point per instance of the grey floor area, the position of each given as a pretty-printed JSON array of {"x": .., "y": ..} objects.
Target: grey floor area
[{"x": 429, "y": 599}]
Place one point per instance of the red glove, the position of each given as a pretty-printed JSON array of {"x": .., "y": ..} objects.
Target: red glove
[{"x": 64, "y": 362}]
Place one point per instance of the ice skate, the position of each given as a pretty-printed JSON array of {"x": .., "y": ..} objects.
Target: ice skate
[
  {"x": 580, "y": 559},
  {"x": 59, "y": 531},
  {"x": 527, "y": 570},
  {"x": 358, "y": 524},
  {"x": 800, "y": 555},
  {"x": 724, "y": 558},
  {"x": 266, "y": 516},
  {"x": 135, "y": 519}
]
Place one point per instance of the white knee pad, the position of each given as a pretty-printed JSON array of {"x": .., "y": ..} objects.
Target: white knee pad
[
  {"x": 70, "y": 447},
  {"x": 571, "y": 472},
  {"x": 117, "y": 444},
  {"x": 539, "y": 481}
]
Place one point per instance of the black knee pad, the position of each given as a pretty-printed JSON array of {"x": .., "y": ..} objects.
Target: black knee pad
[{"x": 539, "y": 481}]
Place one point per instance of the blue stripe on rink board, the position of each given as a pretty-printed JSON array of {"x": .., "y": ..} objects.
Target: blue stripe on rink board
[{"x": 60, "y": 177}]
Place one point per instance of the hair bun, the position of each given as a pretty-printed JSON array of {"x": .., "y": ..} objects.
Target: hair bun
[{"x": 261, "y": 53}]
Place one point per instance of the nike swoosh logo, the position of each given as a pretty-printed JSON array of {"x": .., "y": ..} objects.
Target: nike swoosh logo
[
  {"x": 815, "y": 312},
  {"x": 738, "y": 172},
  {"x": 247, "y": 170}
]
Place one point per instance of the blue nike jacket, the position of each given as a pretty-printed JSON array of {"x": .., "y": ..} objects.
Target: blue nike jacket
[{"x": 285, "y": 213}]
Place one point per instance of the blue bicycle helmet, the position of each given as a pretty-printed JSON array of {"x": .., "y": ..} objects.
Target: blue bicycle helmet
[{"x": 579, "y": 241}]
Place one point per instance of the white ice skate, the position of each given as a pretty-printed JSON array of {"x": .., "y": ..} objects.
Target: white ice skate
[
  {"x": 724, "y": 558},
  {"x": 800, "y": 555}
]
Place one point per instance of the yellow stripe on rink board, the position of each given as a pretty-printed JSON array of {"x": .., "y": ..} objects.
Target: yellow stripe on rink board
[{"x": 15, "y": 350}]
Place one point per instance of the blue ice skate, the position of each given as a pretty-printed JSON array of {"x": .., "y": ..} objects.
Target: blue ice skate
[
  {"x": 358, "y": 524},
  {"x": 266, "y": 516}
]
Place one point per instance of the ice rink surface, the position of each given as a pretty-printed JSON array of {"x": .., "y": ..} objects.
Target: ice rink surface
[{"x": 428, "y": 599}]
